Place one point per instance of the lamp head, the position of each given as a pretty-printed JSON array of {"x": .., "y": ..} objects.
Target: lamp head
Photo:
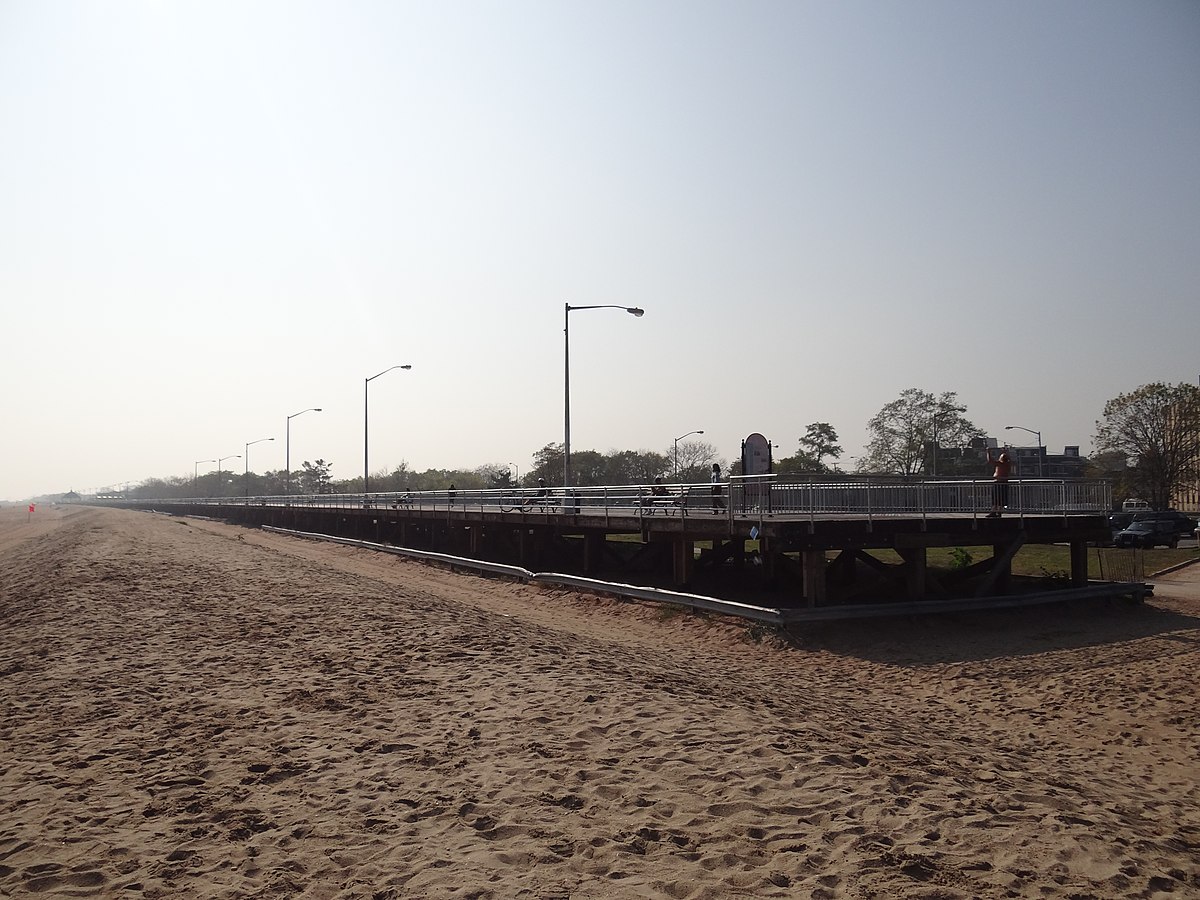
[{"x": 635, "y": 311}]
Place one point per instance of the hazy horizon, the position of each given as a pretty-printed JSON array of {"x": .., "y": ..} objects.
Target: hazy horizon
[{"x": 214, "y": 215}]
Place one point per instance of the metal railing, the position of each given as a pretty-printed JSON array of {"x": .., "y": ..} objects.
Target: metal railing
[{"x": 740, "y": 497}]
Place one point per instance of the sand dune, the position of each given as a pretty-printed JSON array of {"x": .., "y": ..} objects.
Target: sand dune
[{"x": 194, "y": 709}]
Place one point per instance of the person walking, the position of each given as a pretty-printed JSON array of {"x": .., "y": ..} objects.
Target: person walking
[
  {"x": 1000, "y": 476},
  {"x": 718, "y": 501}
]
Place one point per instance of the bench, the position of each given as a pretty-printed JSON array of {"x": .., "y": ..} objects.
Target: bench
[{"x": 668, "y": 502}]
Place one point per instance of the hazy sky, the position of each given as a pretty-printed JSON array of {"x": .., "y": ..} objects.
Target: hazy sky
[{"x": 213, "y": 215}]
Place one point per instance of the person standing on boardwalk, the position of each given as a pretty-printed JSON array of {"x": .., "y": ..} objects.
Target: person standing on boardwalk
[
  {"x": 717, "y": 501},
  {"x": 1003, "y": 469}
]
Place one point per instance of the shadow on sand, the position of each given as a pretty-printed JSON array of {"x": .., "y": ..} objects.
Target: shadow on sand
[{"x": 936, "y": 639}]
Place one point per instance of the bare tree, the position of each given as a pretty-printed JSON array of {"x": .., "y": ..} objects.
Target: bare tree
[{"x": 695, "y": 461}]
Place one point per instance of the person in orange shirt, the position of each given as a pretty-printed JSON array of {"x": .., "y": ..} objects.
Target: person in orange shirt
[{"x": 1000, "y": 475}]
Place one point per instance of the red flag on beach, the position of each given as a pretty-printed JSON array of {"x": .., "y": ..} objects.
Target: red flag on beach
[{"x": 31, "y": 507}]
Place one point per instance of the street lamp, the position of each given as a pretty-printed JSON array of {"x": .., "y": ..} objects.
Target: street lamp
[
  {"x": 246, "y": 460},
  {"x": 1038, "y": 435},
  {"x": 287, "y": 457},
  {"x": 219, "y": 461},
  {"x": 367, "y": 384},
  {"x": 633, "y": 311},
  {"x": 677, "y": 440},
  {"x": 196, "y": 471}
]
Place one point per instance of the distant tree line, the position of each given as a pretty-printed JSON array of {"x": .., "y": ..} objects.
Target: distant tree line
[{"x": 1147, "y": 445}]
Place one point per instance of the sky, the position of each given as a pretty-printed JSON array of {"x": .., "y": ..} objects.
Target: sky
[{"x": 216, "y": 214}]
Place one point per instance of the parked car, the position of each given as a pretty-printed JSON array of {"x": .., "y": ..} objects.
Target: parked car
[
  {"x": 1148, "y": 534},
  {"x": 1120, "y": 521},
  {"x": 1183, "y": 524}
]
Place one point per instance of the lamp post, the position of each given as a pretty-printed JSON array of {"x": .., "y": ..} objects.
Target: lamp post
[
  {"x": 568, "y": 309},
  {"x": 1036, "y": 434},
  {"x": 219, "y": 461},
  {"x": 196, "y": 471},
  {"x": 934, "y": 418},
  {"x": 366, "y": 417},
  {"x": 287, "y": 453},
  {"x": 246, "y": 460},
  {"x": 677, "y": 440}
]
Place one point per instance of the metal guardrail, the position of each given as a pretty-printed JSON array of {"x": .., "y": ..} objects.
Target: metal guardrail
[
  {"x": 757, "y": 496},
  {"x": 768, "y": 615},
  {"x": 774, "y": 616}
]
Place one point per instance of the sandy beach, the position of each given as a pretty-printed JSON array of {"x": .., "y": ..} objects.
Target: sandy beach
[{"x": 192, "y": 709}]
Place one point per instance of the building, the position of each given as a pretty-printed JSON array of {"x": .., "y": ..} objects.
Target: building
[
  {"x": 1035, "y": 462},
  {"x": 1187, "y": 497},
  {"x": 1030, "y": 462}
]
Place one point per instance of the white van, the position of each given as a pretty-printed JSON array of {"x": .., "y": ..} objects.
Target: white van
[{"x": 1134, "y": 505}]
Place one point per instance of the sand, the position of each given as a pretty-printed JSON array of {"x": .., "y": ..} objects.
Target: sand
[{"x": 192, "y": 709}]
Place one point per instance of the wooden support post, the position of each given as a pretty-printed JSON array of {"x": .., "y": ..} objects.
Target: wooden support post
[
  {"x": 593, "y": 552},
  {"x": 474, "y": 534},
  {"x": 767, "y": 554},
  {"x": 1003, "y": 568},
  {"x": 916, "y": 561},
  {"x": 683, "y": 558},
  {"x": 813, "y": 562},
  {"x": 1079, "y": 564}
]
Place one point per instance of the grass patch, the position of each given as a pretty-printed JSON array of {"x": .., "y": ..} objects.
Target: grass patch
[
  {"x": 1041, "y": 560},
  {"x": 1037, "y": 560}
]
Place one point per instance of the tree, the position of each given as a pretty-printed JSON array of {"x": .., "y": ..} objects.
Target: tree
[
  {"x": 1157, "y": 429},
  {"x": 495, "y": 476},
  {"x": 821, "y": 440},
  {"x": 589, "y": 467},
  {"x": 695, "y": 461},
  {"x": 154, "y": 488},
  {"x": 799, "y": 463},
  {"x": 547, "y": 464},
  {"x": 635, "y": 467},
  {"x": 1113, "y": 466},
  {"x": 902, "y": 433},
  {"x": 314, "y": 477}
]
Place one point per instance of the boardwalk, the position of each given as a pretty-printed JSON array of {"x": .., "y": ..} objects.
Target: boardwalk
[{"x": 808, "y": 540}]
